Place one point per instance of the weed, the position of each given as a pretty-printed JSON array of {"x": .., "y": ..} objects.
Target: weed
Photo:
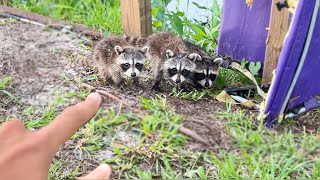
[
  {"x": 193, "y": 95},
  {"x": 101, "y": 15},
  {"x": 36, "y": 123},
  {"x": 5, "y": 95},
  {"x": 82, "y": 94},
  {"x": 264, "y": 154},
  {"x": 204, "y": 34}
]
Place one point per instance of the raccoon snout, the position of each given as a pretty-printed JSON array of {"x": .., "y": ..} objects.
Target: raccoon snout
[
  {"x": 207, "y": 84},
  {"x": 133, "y": 74},
  {"x": 178, "y": 81}
]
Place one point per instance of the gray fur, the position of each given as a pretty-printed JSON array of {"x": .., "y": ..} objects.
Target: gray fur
[
  {"x": 208, "y": 65},
  {"x": 113, "y": 51},
  {"x": 169, "y": 51}
]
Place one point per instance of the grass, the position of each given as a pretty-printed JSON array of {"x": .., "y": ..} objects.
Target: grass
[
  {"x": 193, "y": 95},
  {"x": 147, "y": 145},
  {"x": 266, "y": 154},
  {"x": 5, "y": 95},
  {"x": 98, "y": 14}
]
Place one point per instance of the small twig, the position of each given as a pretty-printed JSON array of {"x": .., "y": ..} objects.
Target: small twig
[
  {"x": 183, "y": 130},
  {"x": 192, "y": 134},
  {"x": 111, "y": 96},
  {"x": 201, "y": 122},
  {"x": 105, "y": 93},
  {"x": 88, "y": 86}
]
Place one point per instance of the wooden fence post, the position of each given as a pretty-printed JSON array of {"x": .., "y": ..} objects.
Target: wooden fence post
[
  {"x": 136, "y": 17},
  {"x": 278, "y": 27}
]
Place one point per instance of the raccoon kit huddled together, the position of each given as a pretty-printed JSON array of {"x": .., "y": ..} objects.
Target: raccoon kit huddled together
[{"x": 172, "y": 58}]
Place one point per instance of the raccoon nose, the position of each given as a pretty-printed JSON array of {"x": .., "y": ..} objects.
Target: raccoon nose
[
  {"x": 133, "y": 74},
  {"x": 178, "y": 81},
  {"x": 206, "y": 84}
]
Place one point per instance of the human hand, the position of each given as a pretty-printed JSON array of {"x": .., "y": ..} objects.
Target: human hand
[{"x": 26, "y": 154}]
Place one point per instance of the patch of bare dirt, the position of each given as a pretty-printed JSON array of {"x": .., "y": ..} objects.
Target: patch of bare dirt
[
  {"x": 39, "y": 61},
  {"x": 199, "y": 117}
]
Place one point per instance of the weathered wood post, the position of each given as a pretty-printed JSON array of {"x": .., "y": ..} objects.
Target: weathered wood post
[
  {"x": 278, "y": 27},
  {"x": 136, "y": 17}
]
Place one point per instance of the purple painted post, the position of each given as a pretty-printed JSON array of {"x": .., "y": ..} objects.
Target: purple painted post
[
  {"x": 243, "y": 31},
  {"x": 307, "y": 85}
]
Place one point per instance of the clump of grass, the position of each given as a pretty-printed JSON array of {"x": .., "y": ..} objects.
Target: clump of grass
[
  {"x": 98, "y": 14},
  {"x": 37, "y": 122},
  {"x": 80, "y": 93},
  {"x": 192, "y": 95},
  {"x": 233, "y": 77},
  {"x": 6, "y": 96},
  {"x": 265, "y": 154},
  {"x": 144, "y": 145},
  {"x": 147, "y": 145}
]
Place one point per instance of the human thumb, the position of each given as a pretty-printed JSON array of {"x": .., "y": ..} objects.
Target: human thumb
[{"x": 101, "y": 172}]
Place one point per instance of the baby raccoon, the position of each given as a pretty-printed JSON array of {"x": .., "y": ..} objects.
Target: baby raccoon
[
  {"x": 206, "y": 70},
  {"x": 171, "y": 59},
  {"x": 115, "y": 58},
  {"x": 139, "y": 41}
]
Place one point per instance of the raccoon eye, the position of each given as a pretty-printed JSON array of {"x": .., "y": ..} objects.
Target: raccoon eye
[
  {"x": 138, "y": 65},
  {"x": 185, "y": 72},
  {"x": 199, "y": 76},
  {"x": 212, "y": 76},
  {"x": 172, "y": 71},
  {"x": 126, "y": 64}
]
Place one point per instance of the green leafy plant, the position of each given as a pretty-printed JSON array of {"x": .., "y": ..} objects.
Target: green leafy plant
[
  {"x": 193, "y": 95},
  {"x": 202, "y": 33},
  {"x": 4, "y": 83},
  {"x": 103, "y": 15},
  {"x": 253, "y": 67}
]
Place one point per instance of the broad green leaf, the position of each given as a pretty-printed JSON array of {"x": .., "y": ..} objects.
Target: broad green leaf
[
  {"x": 157, "y": 23},
  {"x": 254, "y": 68},
  {"x": 198, "y": 29},
  {"x": 216, "y": 10},
  {"x": 180, "y": 13},
  {"x": 176, "y": 24},
  {"x": 243, "y": 63}
]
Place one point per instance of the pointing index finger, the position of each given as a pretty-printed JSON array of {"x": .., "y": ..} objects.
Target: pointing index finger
[{"x": 70, "y": 120}]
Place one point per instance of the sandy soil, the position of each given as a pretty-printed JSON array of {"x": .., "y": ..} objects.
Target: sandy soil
[
  {"x": 39, "y": 61},
  {"x": 44, "y": 64}
]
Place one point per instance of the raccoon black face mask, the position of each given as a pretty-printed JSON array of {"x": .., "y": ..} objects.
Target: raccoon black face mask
[{"x": 180, "y": 66}]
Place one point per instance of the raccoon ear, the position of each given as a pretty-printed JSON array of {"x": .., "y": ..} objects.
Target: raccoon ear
[
  {"x": 169, "y": 53},
  {"x": 218, "y": 60},
  {"x": 118, "y": 50},
  {"x": 144, "y": 50},
  {"x": 195, "y": 57}
]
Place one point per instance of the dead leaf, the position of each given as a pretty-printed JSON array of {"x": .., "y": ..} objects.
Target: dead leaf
[{"x": 225, "y": 97}]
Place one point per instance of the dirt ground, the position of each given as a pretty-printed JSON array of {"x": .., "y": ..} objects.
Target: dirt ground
[
  {"x": 44, "y": 64},
  {"x": 39, "y": 61}
]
